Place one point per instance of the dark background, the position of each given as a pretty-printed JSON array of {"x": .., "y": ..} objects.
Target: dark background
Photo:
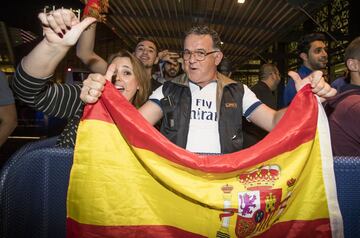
[{"x": 23, "y": 14}]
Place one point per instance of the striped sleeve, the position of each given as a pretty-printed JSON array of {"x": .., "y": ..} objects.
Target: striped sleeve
[{"x": 58, "y": 100}]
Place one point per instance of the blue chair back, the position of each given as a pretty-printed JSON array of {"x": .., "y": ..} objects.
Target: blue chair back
[
  {"x": 347, "y": 174},
  {"x": 33, "y": 189}
]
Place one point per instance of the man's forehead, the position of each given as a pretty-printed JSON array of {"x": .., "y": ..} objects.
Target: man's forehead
[
  {"x": 194, "y": 42},
  {"x": 170, "y": 64},
  {"x": 318, "y": 44},
  {"x": 146, "y": 43}
]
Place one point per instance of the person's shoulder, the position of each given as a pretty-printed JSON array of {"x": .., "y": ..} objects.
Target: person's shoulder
[
  {"x": 304, "y": 71},
  {"x": 258, "y": 86},
  {"x": 157, "y": 93},
  {"x": 351, "y": 91},
  {"x": 181, "y": 79},
  {"x": 226, "y": 82}
]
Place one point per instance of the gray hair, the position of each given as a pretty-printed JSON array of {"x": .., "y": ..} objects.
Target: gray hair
[{"x": 205, "y": 30}]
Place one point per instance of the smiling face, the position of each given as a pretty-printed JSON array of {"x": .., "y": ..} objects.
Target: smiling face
[
  {"x": 317, "y": 58},
  {"x": 146, "y": 52},
  {"x": 125, "y": 80},
  {"x": 204, "y": 71}
]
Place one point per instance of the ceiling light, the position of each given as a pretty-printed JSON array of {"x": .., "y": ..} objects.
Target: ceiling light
[{"x": 241, "y": 1}]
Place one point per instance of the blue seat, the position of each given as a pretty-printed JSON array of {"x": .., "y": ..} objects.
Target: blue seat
[
  {"x": 33, "y": 189},
  {"x": 48, "y": 142},
  {"x": 347, "y": 174}
]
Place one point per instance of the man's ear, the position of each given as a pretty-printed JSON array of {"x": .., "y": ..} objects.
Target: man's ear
[
  {"x": 352, "y": 65},
  {"x": 304, "y": 56},
  {"x": 218, "y": 57}
]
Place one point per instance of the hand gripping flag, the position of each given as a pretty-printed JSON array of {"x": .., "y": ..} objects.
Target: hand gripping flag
[{"x": 128, "y": 180}]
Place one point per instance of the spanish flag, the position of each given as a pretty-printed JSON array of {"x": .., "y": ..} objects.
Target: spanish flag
[{"x": 128, "y": 180}]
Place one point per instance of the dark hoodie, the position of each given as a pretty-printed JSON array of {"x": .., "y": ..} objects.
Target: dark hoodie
[{"x": 343, "y": 113}]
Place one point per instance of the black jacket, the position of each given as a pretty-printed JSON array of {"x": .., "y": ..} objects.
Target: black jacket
[{"x": 176, "y": 106}]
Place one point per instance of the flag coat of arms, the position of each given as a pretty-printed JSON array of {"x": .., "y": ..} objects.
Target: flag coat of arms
[{"x": 128, "y": 180}]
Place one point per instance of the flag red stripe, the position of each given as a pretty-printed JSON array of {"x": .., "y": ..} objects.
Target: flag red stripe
[
  {"x": 78, "y": 230},
  {"x": 289, "y": 229},
  {"x": 313, "y": 228},
  {"x": 98, "y": 113},
  {"x": 142, "y": 135}
]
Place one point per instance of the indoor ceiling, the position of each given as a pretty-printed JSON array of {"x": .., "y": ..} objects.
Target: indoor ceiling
[{"x": 245, "y": 29}]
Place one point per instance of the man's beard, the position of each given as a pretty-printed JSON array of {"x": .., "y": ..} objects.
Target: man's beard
[
  {"x": 318, "y": 65},
  {"x": 171, "y": 73}
]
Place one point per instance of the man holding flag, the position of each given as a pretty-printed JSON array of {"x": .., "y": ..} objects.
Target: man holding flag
[{"x": 203, "y": 105}]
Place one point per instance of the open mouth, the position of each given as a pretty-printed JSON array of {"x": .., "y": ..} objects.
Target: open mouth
[
  {"x": 323, "y": 60},
  {"x": 192, "y": 67},
  {"x": 120, "y": 88}
]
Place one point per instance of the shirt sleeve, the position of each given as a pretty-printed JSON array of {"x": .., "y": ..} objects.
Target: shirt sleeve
[
  {"x": 157, "y": 95},
  {"x": 58, "y": 100},
  {"x": 250, "y": 102}
]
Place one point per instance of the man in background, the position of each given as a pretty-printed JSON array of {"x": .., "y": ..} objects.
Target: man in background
[
  {"x": 170, "y": 66},
  {"x": 269, "y": 79},
  {"x": 171, "y": 70},
  {"x": 312, "y": 51},
  {"x": 344, "y": 110}
]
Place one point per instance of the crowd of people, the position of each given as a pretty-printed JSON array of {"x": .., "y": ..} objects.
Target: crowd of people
[{"x": 192, "y": 96}]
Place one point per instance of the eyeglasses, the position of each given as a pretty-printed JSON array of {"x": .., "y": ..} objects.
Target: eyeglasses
[{"x": 199, "y": 54}]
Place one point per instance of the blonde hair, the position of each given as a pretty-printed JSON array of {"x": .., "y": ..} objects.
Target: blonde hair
[{"x": 143, "y": 93}]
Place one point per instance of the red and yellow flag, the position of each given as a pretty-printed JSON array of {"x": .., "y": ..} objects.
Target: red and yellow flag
[{"x": 128, "y": 180}]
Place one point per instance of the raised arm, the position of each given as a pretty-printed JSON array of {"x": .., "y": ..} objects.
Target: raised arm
[
  {"x": 61, "y": 30},
  {"x": 31, "y": 82},
  {"x": 85, "y": 51}
]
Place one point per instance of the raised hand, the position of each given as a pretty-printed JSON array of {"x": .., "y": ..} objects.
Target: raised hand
[
  {"x": 94, "y": 85},
  {"x": 63, "y": 27},
  {"x": 168, "y": 56},
  {"x": 318, "y": 84}
]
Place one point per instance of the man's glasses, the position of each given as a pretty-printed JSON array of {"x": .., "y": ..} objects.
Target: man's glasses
[{"x": 198, "y": 54}]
